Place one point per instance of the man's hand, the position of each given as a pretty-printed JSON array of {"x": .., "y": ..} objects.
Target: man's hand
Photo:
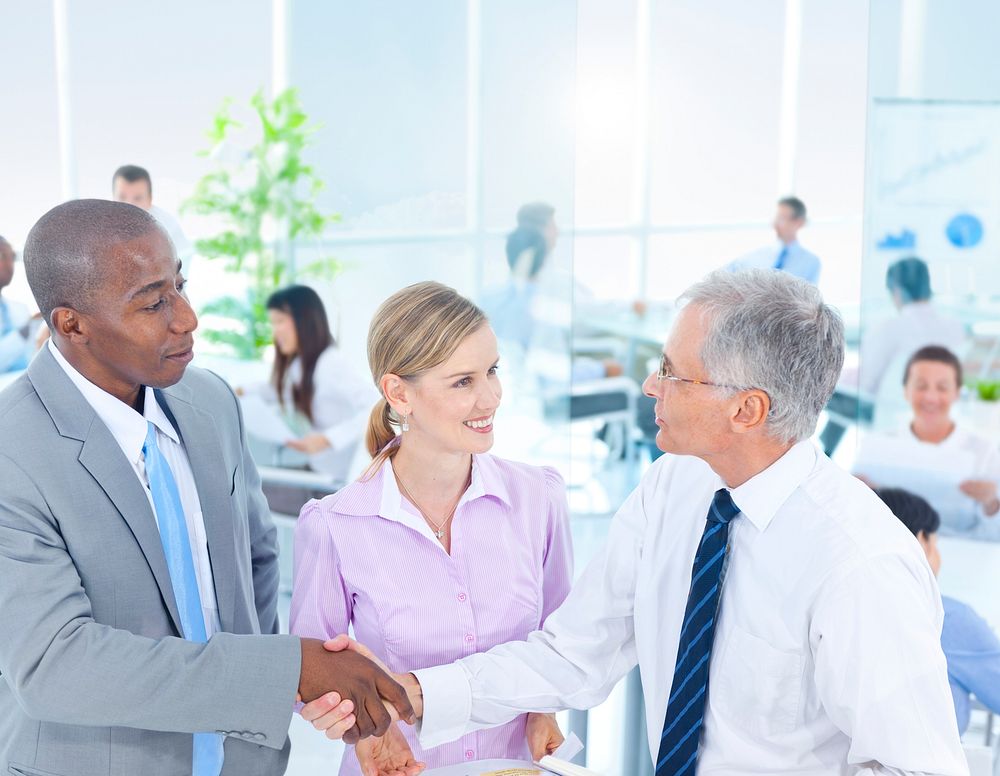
[
  {"x": 309, "y": 444},
  {"x": 388, "y": 755},
  {"x": 408, "y": 681},
  {"x": 543, "y": 735},
  {"x": 357, "y": 679}
]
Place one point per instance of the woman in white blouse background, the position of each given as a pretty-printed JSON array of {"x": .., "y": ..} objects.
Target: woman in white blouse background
[
  {"x": 324, "y": 398},
  {"x": 932, "y": 443}
]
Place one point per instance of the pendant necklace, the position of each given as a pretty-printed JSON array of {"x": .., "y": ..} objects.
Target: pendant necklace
[{"x": 439, "y": 528}]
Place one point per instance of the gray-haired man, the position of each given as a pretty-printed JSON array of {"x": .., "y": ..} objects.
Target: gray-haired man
[{"x": 781, "y": 619}]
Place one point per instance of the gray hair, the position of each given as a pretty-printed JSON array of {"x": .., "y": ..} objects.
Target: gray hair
[
  {"x": 66, "y": 256},
  {"x": 771, "y": 331}
]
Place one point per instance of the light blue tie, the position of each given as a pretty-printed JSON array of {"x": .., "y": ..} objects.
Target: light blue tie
[
  {"x": 782, "y": 258},
  {"x": 208, "y": 747}
]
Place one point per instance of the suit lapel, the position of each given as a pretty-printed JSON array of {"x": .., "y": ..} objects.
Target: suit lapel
[
  {"x": 103, "y": 458},
  {"x": 100, "y": 455},
  {"x": 214, "y": 482}
]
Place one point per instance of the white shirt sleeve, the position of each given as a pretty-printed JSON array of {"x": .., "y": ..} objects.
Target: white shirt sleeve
[
  {"x": 342, "y": 400},
  {"x": 880, "y": 670},
  {"x": 878, "y": 347},
  {"x": 585, "y": 648}
]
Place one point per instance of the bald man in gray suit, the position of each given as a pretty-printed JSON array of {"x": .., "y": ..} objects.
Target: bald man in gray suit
[{"x": 138, "y": 623}]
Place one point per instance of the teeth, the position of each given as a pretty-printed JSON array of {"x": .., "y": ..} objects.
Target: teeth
[{"x": 479, "y": 423}]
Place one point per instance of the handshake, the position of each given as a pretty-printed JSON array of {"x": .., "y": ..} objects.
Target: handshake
[{"x": 367, "y": 699}]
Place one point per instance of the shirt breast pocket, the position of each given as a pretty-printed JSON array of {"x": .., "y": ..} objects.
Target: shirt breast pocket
[{"x": 755, "y": 686}]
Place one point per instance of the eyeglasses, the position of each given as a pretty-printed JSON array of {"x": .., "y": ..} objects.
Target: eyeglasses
[{"x": 663, "y": 373}]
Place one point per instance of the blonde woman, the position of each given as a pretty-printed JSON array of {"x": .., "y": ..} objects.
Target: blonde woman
[{"x": 440, "y": 550}]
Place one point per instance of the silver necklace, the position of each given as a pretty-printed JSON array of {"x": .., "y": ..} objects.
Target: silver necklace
[{"x": 439, "y": 528}]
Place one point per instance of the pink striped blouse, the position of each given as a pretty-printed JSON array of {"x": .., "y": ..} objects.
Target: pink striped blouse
[{"x": 364, "y": 557}]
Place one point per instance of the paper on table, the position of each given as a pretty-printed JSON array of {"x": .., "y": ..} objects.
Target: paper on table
[
  {"x": 569, "y": 748},
  {"x": 264, "y": 421}
]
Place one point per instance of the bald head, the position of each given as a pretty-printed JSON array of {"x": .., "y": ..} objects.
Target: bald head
[{"x": 68, "y": 256}]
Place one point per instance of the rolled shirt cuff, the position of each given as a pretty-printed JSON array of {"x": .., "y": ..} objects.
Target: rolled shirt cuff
[{"x": 447, "y": 700}]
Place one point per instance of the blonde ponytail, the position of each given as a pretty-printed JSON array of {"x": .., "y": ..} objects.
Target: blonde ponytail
[{"x": 380, "y": 433}]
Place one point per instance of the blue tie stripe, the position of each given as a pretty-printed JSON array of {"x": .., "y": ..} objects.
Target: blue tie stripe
[
  {"x": 680, "y": 714},
  {"x": 207, "y": 748},
  {"x": 693, "y": 643},
  {"x": 685, "y": 739},
  {"x": 715, "y": 558},
  {"x": 695, "y": 611},
  {"x": 684, "y": 718}
]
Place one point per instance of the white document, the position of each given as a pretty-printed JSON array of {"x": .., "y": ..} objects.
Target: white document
[
  {"x": 264, "y": 421},
  {"x": 899, "y": 463}
]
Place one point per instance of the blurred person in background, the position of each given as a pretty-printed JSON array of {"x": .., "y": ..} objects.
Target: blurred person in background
[
  {"x": 970, "y": 646},
  {"x": 441, "y": 550},
  {"x": 312, "y": 382},
  {"x": 16, "y": 340},
  {"x": 933, "y": 443},
  {"x": 133, "y": 185},
  {"x": 788, "y": 255},
  {"x": 918, "y": 324}
]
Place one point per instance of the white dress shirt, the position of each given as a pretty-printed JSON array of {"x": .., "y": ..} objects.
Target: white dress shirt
[
  {"x": 128, "y": 428},
  {"x": 826, "y": 659}
]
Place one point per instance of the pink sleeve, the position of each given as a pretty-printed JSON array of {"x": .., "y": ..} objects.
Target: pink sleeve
[
  {"x": 321, "y": 605},
  {"x": 557, "y": 566}
]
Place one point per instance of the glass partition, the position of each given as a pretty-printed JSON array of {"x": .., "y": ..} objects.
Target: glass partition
[{"x": 930, "y": 318}]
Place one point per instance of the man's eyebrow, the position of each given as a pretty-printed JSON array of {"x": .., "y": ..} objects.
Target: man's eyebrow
[
  {"x": 155, "y": 285},
  {"x": 147, "y": 288}
]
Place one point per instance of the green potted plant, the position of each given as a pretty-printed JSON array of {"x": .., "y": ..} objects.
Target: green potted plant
[{"x": 264, "y": 196}]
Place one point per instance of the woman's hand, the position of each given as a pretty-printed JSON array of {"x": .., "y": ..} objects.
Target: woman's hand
[
  {"x": 330, "y": 715},
  {"x": 984, "y": 492},
  {"x": 310, "y": 444},
  {"x": 388, "y": 755},
  {"x": 543, "y": 735}
]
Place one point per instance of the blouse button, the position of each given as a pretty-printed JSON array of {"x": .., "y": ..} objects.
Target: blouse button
[
  {"x": 462, "y": 597},
  {"x": 469, "y": 638},
  {"x": 469, "y": 754}
]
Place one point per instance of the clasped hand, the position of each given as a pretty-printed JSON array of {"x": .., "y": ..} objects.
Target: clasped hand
[{"x": 390, "y": 754}]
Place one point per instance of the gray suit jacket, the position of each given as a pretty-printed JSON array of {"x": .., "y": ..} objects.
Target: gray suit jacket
[{"x": 95, "y": 677}]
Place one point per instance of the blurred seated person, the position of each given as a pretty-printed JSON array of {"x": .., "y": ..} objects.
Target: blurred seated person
[
  {"x": 885, "y": 348},
  {"x": 533, "y": 311},
  {"x": 917, "y": 324},
  {"x": 132, "y": 185},
  {"x": 16, "y": 341},
  {"x": 787, "y": 255},
  {"x": 954, "y": 468},
  {"x": 314, "y": 384},
  {"x": 970, "y": 646}
]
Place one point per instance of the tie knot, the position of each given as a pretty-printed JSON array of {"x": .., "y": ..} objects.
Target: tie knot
[
  {"x": 150, "y": 442},
  {"x": 723, "y": 509}
]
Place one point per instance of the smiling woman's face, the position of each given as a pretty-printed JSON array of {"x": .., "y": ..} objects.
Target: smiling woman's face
[
  {"x": 931, "y": 388},
  {"x": 452, "y": 405}
]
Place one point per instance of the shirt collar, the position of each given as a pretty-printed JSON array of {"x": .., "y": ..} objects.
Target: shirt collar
[
  {"x": 760, "y": 497},
  {"x": 486, "y": 481},
  {"x": 126, "y": 425}
]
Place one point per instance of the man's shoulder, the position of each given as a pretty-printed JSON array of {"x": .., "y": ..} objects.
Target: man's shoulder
[
  {"x": 12, "y": 403},
  {"x": 848, "y": 517}
]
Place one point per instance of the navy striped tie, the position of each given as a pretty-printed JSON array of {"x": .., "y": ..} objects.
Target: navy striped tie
[{"x": 686, "y": 706}]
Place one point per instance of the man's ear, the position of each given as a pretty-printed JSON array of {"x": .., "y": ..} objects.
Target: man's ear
[
  {"x": 70, "y": 325},
  {"x": 750, "y": 414}
]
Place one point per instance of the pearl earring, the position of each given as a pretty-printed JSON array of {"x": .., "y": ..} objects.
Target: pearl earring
[{"x": 404, "y": 424}]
